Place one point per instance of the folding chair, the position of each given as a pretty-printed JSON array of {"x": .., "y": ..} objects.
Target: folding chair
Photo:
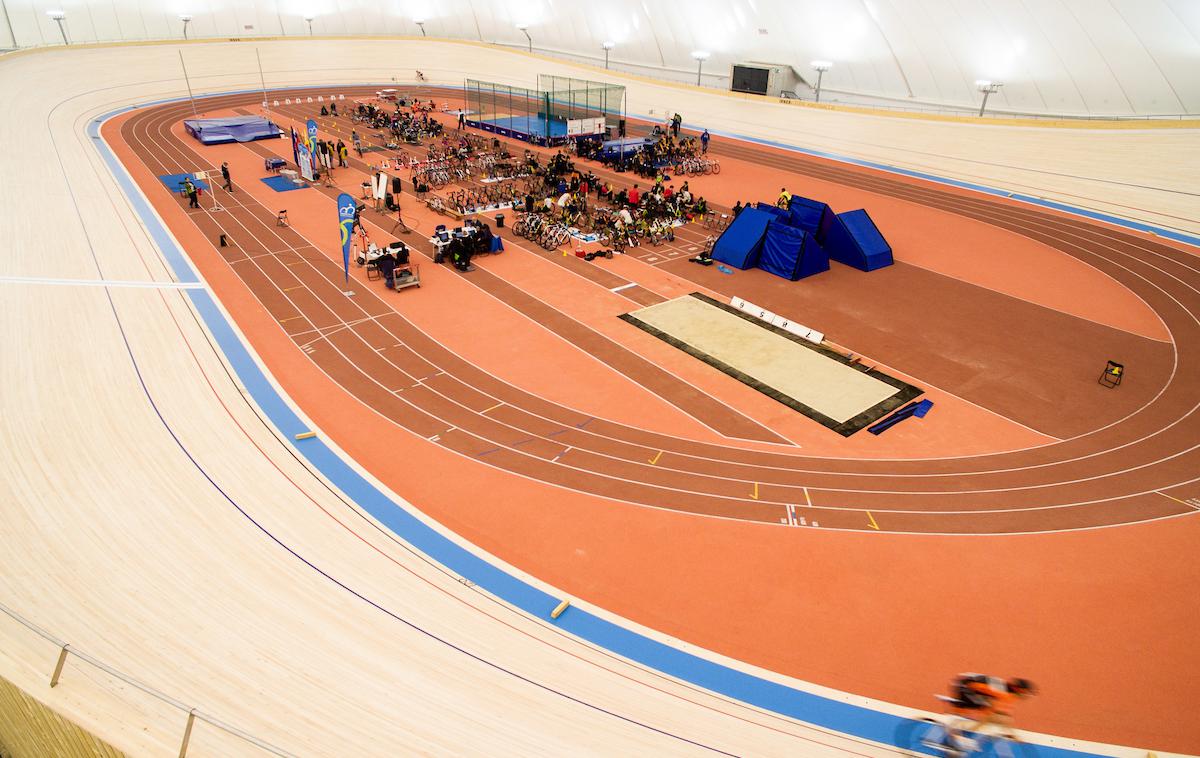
[{"x": 1113, "y": 374}]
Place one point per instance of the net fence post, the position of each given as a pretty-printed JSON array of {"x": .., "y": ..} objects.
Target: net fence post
[
  {"x": 58, "y": 667},
  {"x": 187, "y": 733}
]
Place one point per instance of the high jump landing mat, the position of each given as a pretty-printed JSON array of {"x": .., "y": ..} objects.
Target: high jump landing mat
[{"x": 814, "y": 380}]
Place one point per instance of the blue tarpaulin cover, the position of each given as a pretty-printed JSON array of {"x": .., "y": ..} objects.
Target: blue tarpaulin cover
[
  {"x": 855, "y": 241},
  {"x": 791, "y": 253},
  {"x": 775, "y": 212},
  {"x": 812, "y": 216},
  {"x": 628, "y": 146},
  {"x": 741, "y": 243}
]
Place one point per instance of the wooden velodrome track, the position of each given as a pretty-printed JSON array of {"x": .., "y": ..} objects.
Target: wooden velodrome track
[{"x": 179, "y": 564}]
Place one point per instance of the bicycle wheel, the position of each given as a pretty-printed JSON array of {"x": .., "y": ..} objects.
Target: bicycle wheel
[
  {"x": 716, "y": 167},
  {"x": 708, "y": 169},
  {"x": 927, "y": 736}
]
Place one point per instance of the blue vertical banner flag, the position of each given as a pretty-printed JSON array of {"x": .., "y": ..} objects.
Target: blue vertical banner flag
[
  {"x": 312, "y": 136},
  {"x": 346, "y": 205}
]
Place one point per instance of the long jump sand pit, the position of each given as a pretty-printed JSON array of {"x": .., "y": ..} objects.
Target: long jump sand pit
[{"x": 818, "y": 382}]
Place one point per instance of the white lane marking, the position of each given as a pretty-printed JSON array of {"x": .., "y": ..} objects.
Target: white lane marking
[
  {"x": 102, "y": 283},
  {"x": 622, "y": 287},
  {"x": 555, "y": 458}
]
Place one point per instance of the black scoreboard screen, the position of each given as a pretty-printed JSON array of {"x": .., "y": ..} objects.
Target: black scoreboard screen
[{"x": 750, "y": 79}]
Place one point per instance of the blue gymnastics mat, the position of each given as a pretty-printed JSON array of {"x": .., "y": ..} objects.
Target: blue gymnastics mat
[{"x": 282, "y": 184}]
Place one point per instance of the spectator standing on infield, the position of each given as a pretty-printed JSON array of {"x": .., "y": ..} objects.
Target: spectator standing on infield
[
  {"x": 704, "y": 138},
  {"x": 228, "y": 183},
  {"x": 462, "y": 120},
  {"x": 342, "y": 153}
]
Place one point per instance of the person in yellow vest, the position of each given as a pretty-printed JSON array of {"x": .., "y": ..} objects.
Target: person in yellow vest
[{"x": 785, "y": 197}]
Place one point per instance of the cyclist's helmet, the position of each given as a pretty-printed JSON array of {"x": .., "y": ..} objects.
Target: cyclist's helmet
[{"x": 1021, "y": 687}]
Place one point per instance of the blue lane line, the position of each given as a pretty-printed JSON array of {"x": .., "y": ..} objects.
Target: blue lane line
[{"x": 831, "y": 714}]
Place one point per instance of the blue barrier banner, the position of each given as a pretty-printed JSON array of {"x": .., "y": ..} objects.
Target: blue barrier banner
[
  {"x": 312, "y": 136},
  {"x": 345, "y": 207}
]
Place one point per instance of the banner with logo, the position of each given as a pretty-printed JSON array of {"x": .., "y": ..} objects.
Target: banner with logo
[
  {"x": 304, "y": 162},
  {"x": 295, "y": 146},
  {"x": 312, "y": 136},
  {"x": 346, "y": 205}
]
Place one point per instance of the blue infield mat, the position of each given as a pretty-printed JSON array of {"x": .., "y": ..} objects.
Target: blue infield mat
[
  {"x": 172, "y": 181},
  {"x": 282, "y": 184},
  {"x": 530, "y": 125}
]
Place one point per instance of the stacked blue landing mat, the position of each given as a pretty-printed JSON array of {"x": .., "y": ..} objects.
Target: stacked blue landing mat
[
  {"x": 812, "y": 216},
  {"x": 791, "y": 252},
  {"x": 741, "y": 243},
  {"x": 801, "y": 240},
  {"x": 853, "y": 239}
]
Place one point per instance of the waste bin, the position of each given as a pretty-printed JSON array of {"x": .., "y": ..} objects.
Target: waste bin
[{"x": 499, "y": 220}]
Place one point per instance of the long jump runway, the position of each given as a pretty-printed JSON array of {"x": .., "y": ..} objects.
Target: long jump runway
[{"x": 1145, "y": 467}]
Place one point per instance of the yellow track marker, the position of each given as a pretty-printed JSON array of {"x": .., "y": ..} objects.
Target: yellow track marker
[
  {"x": 755, "y": 493},
  {"x": 873, "y": 524},
  {"x": 292, "y": 318},
  {"x": 558, "y": 610},
  {"x": 297, "y": 287},
  {"x": 494, "y": 407},
  {"x": 306, "y": 435},
  {"x": 807, "y": 496},
  {"x": 654, "y": 460}
]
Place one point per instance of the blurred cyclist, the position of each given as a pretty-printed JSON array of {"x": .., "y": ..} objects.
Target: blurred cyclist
[{"x": 987, "y": 700}]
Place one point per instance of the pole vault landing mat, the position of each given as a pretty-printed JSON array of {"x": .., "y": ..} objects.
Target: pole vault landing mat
[
  {"x": 174, "y": 182},
  {"x": 811, "y": 379}
]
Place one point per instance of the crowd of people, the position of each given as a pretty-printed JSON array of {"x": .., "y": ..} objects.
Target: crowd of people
[
  {"x": 580, "y": 199},
  {"x": 407, "y": 125},
  {"x": 553, "y": 187}
]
